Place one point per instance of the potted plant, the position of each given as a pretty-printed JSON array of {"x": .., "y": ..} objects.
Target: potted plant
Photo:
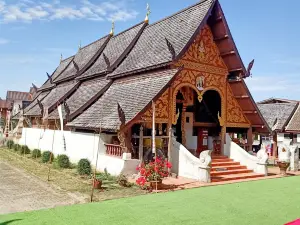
[
  {"x": 153, "y": 173},
  {"x": 97, "y": 182}
]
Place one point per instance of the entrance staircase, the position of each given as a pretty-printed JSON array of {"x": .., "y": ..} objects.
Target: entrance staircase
[{"x": 225, "y": 169}]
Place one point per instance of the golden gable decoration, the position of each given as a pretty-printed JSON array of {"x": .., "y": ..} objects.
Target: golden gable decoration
[
  {"x": 234, "y": 111},
  {"x": 161, "y": 109}
]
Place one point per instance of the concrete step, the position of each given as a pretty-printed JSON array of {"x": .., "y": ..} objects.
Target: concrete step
[
  {"x": 219, "y": 157},
  {"x": 232, "y": 167},
  {"x": 229, "y": 172},
  {"x": 239, "y": 176},
  {"x": 222, "y": 160},
  {"x": 227, "y": 163}
]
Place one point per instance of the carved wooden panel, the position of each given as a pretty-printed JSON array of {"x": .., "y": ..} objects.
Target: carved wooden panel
[
  {"x": 161, "y": 109},
  {"x": 234, "y": 111}
]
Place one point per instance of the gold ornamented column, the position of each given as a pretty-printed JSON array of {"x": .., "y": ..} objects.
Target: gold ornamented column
[
  {"x": 141, "y": 145},
  {"x": 183, "y": 123}
]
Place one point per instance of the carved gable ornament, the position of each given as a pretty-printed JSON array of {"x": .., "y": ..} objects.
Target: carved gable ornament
[{"x": 200, "y": 83}]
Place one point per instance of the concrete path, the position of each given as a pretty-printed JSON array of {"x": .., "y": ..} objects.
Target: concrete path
[{"x": 20, "y": 191}]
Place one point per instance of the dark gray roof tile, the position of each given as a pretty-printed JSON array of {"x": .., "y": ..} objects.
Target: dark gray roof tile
[
  {"x": 83, "y": 58},
  {"x": 62, "y": 66},
  {"x": 151, "y": 49},
  {"x": 294, "y": 124},
  {"x": 280, "y": 111},
  {"x": 132, "y": 93},
  {"x": 86, "y": 91},
  {"x": 114, "y": 49},
  {"x": 55, "y": 95}
]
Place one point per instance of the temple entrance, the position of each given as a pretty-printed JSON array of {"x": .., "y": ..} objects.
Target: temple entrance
[{"x": 198, "y": 126}]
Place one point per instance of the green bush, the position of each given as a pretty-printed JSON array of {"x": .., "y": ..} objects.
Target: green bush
[
  {"x": 46, "y": 157},
  {"x": 63, "y": 161},
  {"x": 17, "y": 147},
  {"x": 10, "y": 144},
  {"x": 24, "y": 149},
  {"x": 84, "y": 167},
  {"x": 36, "y": 153}
]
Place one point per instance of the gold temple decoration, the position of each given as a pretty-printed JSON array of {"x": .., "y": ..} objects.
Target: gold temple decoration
[
  {"x": 147, "y": 14},
  {"x": 176, "y": 117},
  {"x": 200, "y": 97},
  {"x": 221, "y": 120},
  {"x": 112, "y": 31}
]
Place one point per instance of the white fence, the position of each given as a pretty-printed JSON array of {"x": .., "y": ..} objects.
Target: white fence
[{"x": 78, "y": 145}]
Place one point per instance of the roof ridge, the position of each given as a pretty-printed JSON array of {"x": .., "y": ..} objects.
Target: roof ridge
[
  {"x": 93, "y": 42},
  {"x": 174, "y": 14},
  {"x": 127, "y": 29}
]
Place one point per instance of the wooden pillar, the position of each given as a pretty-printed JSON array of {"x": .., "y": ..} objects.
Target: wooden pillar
[
  {"x": 249, "y": 138},
  {"x": 223, "y": 137},
  {"x": 141, "y": 145},
  {"x": 183, "y": 123},
  {"x": 275, "y": 145}
]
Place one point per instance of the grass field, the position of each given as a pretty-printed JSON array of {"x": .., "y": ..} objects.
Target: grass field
[{"x": 273, "y": 201}]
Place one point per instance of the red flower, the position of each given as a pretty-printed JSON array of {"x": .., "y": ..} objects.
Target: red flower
[
  {"x": 169, "y": 165},
  {"x": 142, "y": 171},
  {"x": 141, "y": 181},
  {"x": 157, "y": 160},
  {"x": 138, "y": 168}
]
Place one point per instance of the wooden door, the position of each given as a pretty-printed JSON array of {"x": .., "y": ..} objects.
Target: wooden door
[{"x": 202, "y": 140}]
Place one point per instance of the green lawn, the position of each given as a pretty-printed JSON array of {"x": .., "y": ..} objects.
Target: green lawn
[{"x": 274, "y": 201}]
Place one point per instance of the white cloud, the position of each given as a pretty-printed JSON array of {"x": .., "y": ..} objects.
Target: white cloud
[
  {"x": 3, "y": 41},
  {"x": 28, "y": 11},
  {"x": 274, "y": 85}
]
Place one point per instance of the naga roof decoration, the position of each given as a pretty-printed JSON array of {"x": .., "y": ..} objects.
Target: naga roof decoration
[
  {"x": 56, "y": 95},
  {"x": 83, "y": 59},
  {"x": 62, "y": 66},
  {"x": 115, "y": 50},
  {"x": 82, "y": 96}
]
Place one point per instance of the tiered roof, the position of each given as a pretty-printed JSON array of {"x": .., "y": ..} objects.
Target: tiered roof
[
  {"x": 132, "y": 93},
  {"x": 93, "y": 80}
]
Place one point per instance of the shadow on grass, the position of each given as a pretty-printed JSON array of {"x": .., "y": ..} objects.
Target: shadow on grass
[{"x": 9, "y": 221}]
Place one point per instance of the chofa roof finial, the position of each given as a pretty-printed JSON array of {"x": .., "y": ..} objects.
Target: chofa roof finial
[
  {"x": 112, "y": 28},
  {"x": 79, "y": 46},
  {"x": 61, "y": 58},
  {"x": 147, "y": 14}
]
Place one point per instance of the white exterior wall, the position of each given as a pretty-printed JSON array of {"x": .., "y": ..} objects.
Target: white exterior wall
[
  {"x": 78, "y": 146},
  {"x": 191, "y": 141}
]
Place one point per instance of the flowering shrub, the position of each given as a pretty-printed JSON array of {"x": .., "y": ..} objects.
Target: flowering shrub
[{"x": 153, "y": 171}]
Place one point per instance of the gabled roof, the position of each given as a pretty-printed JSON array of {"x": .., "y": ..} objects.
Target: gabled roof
[
  {"x": 56, "y": 95},
  {"x": 282, "y": 112},
  {"x": 18, "y": 95},
  {"x": 151, "y": 50},
  {"x": 133, "y": 94},
  {"x": 83, "y": 59},
  {"x": 276, "y": 100},
  {"x": 86, "y": 94},
  {"x": 62, "y": 66},
  {"x": 294, "y": 123},
  {"x": 115, "y": 50}
]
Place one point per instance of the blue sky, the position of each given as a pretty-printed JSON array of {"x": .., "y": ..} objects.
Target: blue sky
[{"x": 33, "y": 34}]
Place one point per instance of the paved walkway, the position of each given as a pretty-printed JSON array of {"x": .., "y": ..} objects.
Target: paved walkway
[{"x": 20, "y": 191}]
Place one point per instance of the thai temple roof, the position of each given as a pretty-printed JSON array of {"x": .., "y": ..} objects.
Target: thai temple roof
[
  {"x": 132, "y": 68},
  {"x": 133, "y": 93},
  {"x": 151, "y": 49}
]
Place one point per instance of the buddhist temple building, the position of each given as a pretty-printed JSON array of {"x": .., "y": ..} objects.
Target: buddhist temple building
[
  {"x": 187, "y": 64},
  {"x": 283, "y": 117}
]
